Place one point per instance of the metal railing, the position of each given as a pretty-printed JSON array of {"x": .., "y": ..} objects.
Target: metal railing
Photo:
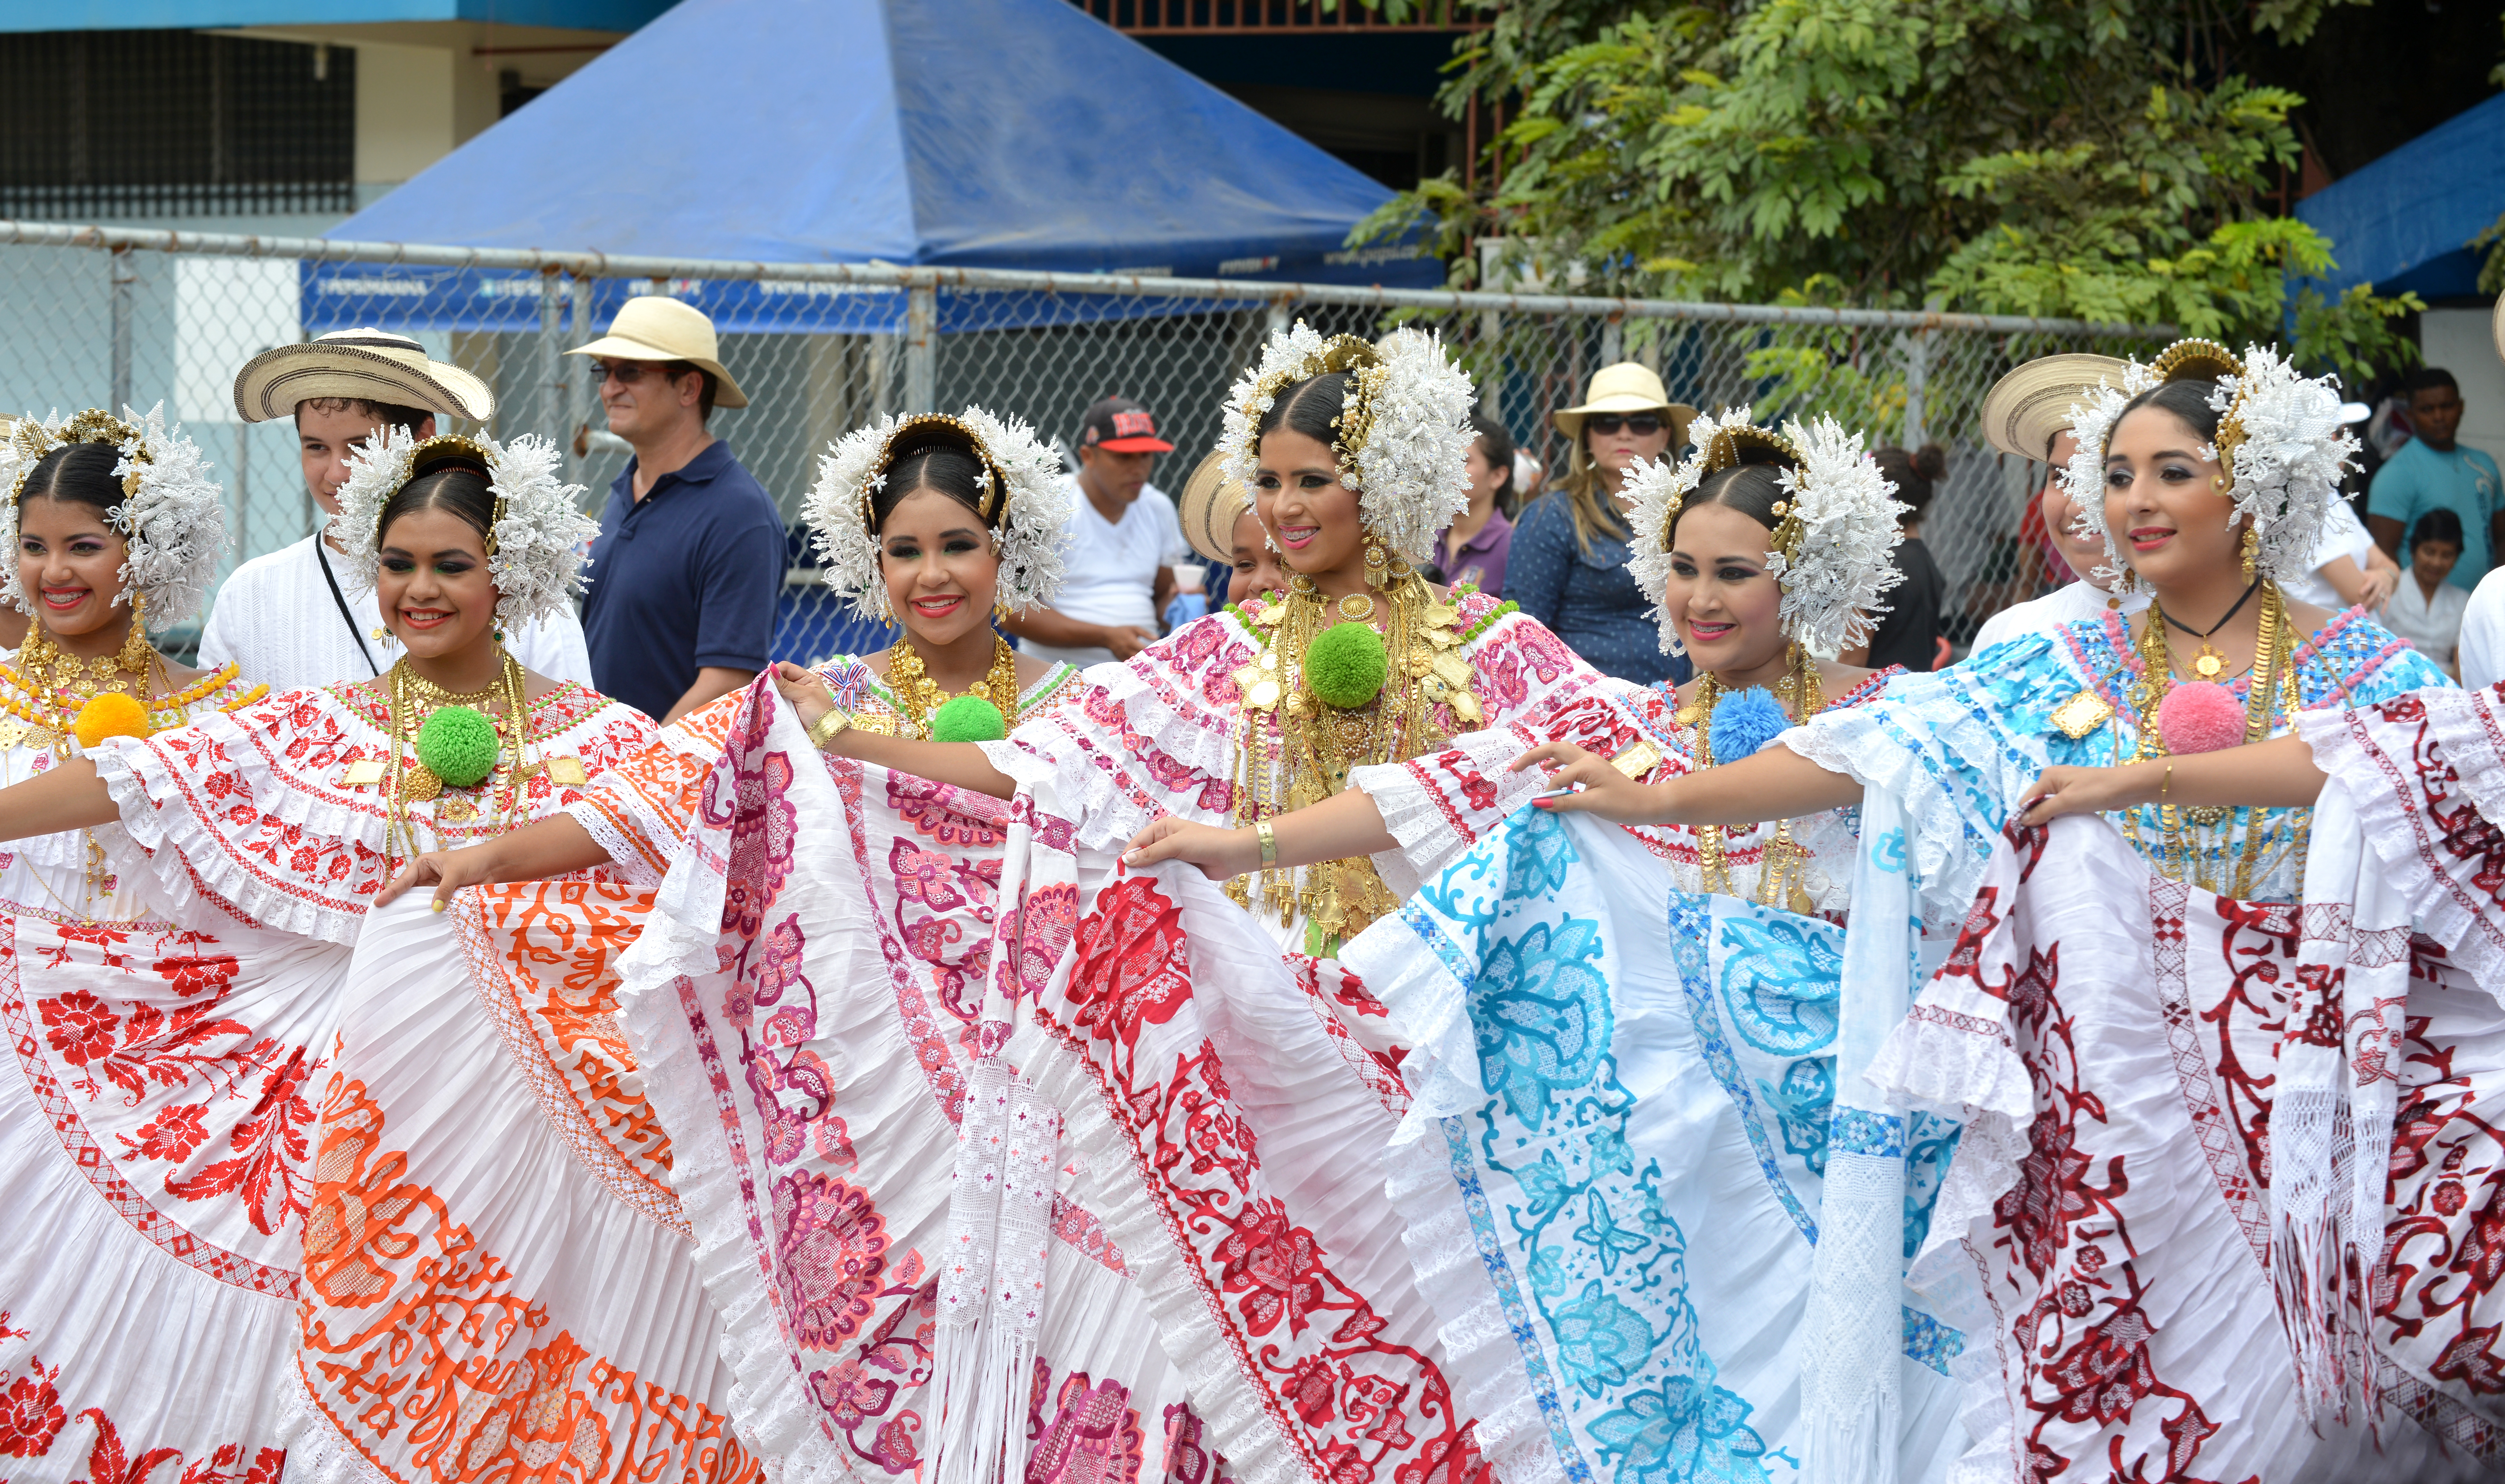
[{"x": 116, "y": 315}]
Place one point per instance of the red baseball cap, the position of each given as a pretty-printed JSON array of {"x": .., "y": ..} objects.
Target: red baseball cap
[{"x": 1119, "y": 425}]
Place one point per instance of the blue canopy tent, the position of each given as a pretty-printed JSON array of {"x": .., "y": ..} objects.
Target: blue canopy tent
[
  {"x": 964, "y": 133},
  {"x": 975, "y": 133},
  {"x": 2405, "y": 221}
]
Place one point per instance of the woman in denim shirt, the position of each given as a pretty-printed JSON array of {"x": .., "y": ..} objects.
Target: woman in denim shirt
[{"x": 1569, "y": 564}]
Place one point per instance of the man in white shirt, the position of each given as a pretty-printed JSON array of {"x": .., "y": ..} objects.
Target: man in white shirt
[
  {"x": 1124, "y": 542},
  {"x": 2027, "y": 415},
  {"x": 288, "y": 619}
]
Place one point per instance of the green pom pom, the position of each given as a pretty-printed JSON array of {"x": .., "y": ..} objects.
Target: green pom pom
[
  {"x": 1346, "y": 665},
  {"x": 457, "y": 745},
  {"x": 968, "y": 719}
]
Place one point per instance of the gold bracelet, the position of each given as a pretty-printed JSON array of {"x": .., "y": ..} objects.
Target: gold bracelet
[
  {"x": 824, "y": 728},
  {"x": 1269, "y": 845},
  {"x": 2166, "y": 783}
]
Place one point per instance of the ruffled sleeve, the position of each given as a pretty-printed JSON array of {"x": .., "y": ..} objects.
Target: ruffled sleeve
[
  {"x": 251, "y": 814},
  {"x": 1438, "y": 806},
  {"x": 241, "y": 814},
  {"x": 2424, "y": 775},
  {"x": 1959, "y": 746},
  {"x": 1140, "y": 740},
  {"x": 641, "y": 809},
  {"x": 1158, "y": 735}
]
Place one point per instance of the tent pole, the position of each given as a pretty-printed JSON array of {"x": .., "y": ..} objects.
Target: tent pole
[{"x": 921, "y": 348}]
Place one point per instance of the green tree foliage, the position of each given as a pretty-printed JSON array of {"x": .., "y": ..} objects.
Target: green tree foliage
[{"x": 2102, "y": 160}]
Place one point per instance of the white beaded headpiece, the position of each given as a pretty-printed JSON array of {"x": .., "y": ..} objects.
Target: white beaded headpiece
[
  {"x": 1404, "y": 429},
  {"x": 172, "y": 514},
  {"x": 2279, "y": 437},
  {"x": 1829, "y": 550},
  {"x": 535, "y": 542},
  {"x": 1029, "y": 536}
]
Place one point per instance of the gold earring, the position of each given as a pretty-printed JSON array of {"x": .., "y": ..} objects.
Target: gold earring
[
  {"x": 1376, "y": 564},
  {"x": 134, "y": 645},
  {"x": 2252, "y": 547}
]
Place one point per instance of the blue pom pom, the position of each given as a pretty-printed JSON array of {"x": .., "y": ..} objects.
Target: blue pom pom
[{"x": 1744, "y": 720}]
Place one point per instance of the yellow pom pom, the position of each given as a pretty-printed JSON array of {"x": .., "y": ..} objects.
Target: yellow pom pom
[{"x": 110, "y": 715}]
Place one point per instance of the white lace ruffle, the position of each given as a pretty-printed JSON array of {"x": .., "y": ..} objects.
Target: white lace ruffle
[
  {"x": 769, "y": 1403},
  {"x": 1419, "y": 815},
  {"x": 2373, "y": 763},
  {"x": 1938, "y": 760},
  {"x": 1482, "y": 1353}
]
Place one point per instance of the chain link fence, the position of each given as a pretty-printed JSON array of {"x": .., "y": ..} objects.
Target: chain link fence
[{"x": 104, "y": 317}]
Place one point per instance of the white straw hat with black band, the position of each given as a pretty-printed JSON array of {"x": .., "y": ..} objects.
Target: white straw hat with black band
[{"x": 373, "y": 366}]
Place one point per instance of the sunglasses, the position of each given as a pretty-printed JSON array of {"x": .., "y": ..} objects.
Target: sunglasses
[
  {"x": 628, "y": 372},
  {"x": 1641, "y": 424}
]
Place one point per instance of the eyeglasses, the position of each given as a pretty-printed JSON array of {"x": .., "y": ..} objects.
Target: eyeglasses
[
  {"x": 1641, "y": 424},
  {"x": 628, "y": 372}
]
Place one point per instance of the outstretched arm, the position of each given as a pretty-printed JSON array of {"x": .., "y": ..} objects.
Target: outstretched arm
[
  {"x": 1776, "y": 783},
  {"x": 553, "y": 846},
  {"x": 2277, "y": 774},
  {"x": 70, "y": 796},
  {"x": 1347, "y": 823},
  {"x": 961, "y": 764}
]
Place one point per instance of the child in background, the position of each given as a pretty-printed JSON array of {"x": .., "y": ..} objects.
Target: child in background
[{"x": 2426, "y": 610}]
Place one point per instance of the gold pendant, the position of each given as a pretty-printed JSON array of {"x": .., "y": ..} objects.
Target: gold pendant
[
  {"x": 362, "y": 773},
  {"x": 1264, "y": 695},
  {"x": 566, "y": 772},
  {"x": 457, "y": 810},
  {"x": 1356, "y": 607},
  {"x": 2207, "y": 815},
  {"x": 420, "y": 784},
  {"x": 40, "y": 739},
  {"x": 1638, "y": 760},
  {"x": 2209, "y": 662},
  {"x": 1466, "y": 707},
  {"x": 2081, "y": 715},
  {"x": 11, "y": 735}
]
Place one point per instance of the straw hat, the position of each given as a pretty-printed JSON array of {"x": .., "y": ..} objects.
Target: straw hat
[
  {"x": 1626, "y": 387},
  {"x": 654, "y": 328},
  {"x": 1211, "y": 503},
  {"x": 364, "y": 365},
  {"x": 2028, "y": 409}
]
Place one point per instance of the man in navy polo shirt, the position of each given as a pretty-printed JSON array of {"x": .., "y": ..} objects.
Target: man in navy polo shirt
[{"x": 680, "y": 606}]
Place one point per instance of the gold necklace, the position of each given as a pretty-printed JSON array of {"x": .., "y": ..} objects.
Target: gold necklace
[
  {"x": 411, "y": 699},
  {"x": 2274, "y": 672},
  {"x": 59, "y": 684},
  {"x": 1783, "y": 863},
  {"x": 1295, "y": 749},
  {"x": 918, "y": 696}
]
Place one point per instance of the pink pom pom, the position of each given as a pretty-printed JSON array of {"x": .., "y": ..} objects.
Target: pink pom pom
[{"x": 2199, "y": 717}]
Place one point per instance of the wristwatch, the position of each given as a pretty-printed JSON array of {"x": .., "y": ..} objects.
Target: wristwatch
[{"x": 824, "y": 728}]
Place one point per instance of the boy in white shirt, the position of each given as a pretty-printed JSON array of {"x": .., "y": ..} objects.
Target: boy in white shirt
[
  {"x": 286, "y": 620},
  {"x": 1123, "y": 543},
  {"x": 2027, "y": 415}
]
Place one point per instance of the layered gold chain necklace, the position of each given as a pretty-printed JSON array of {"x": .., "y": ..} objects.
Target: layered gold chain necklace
[
  {"x": 414, "y": 701},
  {"x": 1783, "y": 865},
  {"x": 919, "y": 697},
  {"x": 2275, "y": 692},
  {"x": 1298, "y": 748}
]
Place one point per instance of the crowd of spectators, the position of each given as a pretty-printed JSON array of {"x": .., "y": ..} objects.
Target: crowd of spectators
[{"x": 681, "y": 598}]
